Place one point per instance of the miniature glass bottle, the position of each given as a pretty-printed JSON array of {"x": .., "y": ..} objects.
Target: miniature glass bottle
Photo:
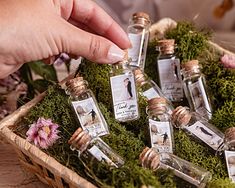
[
  {"x": 138, "y": 32},
  {"x": 94, "y": 148},
  {"x": 148, "y": 88},
  {"x": 229, "y": 146},
  {"x": 150, "y": 158},
  {"x": 124, "y": 96},
  {"x": 160, "y": 128},
  {"x": 85, "y": 107},
  {"x": 168, "y": 68},
  {"x": 195, "y": 89},
  {"x": 198, "y": 127}
]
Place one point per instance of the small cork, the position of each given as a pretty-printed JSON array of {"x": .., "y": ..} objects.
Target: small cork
[
  {"x": 139, "y": 76},
  {"x": 166, "y": 46},
  {"x": 149, "y": 158},
  {"x": 191, "y": 65},
  {"x": 76, "y": 85},
  {"x": 80, "y": 140},
  {"x": 181, "y": 116},
  {"x": 141, "y": 15},
  {"x": 229, "y": 134},
  {"x": 157, "y": 105}
]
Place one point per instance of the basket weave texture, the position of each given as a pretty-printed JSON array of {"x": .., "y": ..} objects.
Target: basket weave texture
[{"x": 46, "y": 168}]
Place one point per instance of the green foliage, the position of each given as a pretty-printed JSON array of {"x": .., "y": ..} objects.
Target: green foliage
[
  {"x": 128, "y": 139},
  {"x": 190, "y": 41}
]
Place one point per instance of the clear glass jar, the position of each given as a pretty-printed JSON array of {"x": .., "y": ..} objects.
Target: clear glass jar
[
  {"x": 149, "y": 89},
  {"x": 150, "y": 158},
  {"x": 124, "y": 94},
  {"x": 85, "y": 107},
  {"x": 195, "y": 89},
  {"x": 160, "y": 128},
  {"x": 138, "y": 32},
  {"x": 168, "y": 68},
  {"x": 94, "y": 148},
  {"x": 199, "y": 127}
]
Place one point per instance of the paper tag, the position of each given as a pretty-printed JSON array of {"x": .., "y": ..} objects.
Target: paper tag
[
  {"x": 205, "y": 134},
  {"x": 161, "y": 136},
  {"x": 230, "y": 162},
  {"x": 170, "y": 78},
  {"x": 100, "y": 156},
  {"x": 199, "y": 98},
  {"x": 151, "y": 93},
  {"x": 89, "y": 117},
  {"x": 124, "y": 96},
  {"x": 139, "y": 48}
]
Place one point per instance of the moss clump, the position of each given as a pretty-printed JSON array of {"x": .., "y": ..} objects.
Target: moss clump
[
  {"x": 128, "y": 139},
  {"x": 190, "y": 41}
]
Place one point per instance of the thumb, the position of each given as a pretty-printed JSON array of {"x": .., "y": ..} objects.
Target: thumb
[{"x": 93, "y": 47}]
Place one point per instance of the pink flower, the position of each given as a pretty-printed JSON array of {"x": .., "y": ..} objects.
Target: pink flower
[
  {"x": 228, "y": 61},
  {"x": 43, "y": 133}
]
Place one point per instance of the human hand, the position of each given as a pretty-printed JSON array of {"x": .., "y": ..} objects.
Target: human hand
[{"x": 39, "y": 29}]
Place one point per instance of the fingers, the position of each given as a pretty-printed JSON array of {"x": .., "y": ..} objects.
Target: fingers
[
  {"x": 90, "y": 14},
  {"x": 90, "y": 46}
]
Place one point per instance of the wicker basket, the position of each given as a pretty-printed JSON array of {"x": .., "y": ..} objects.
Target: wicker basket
[{"x": 46, "y": 168}]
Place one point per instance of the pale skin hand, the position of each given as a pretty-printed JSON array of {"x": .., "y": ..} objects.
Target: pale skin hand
[{"x": 39, "y": 29}]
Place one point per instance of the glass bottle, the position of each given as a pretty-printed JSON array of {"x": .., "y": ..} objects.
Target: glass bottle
[
  {"x": 168, "y": 67},
  {"x": 229, "y": 146},
  {"x": 199, "y": 127},
  {"x": 160, "y": 128},
  {"x": 124, "y": 96},
  {"x": 195, "y": 89},
  {"x": 150, "y": 158},
  {"x": 138, "y": 32},
  {"x": 85, "y": 107},
  {"x": 148, "y": 88},
  {"x": 94, "y": 148}
]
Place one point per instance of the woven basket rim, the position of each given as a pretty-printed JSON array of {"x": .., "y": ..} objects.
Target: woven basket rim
[{"x": 34, "y": 152}]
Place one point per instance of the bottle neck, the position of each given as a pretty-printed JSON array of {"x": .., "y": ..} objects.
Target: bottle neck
[
  {"x": 181, "y": 117},
  {"x": 191, "y": 72},
  {"x": 141, "y": 22}
]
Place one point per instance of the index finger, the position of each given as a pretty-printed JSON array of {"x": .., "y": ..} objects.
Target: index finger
[{"x": 89, "y": 13}]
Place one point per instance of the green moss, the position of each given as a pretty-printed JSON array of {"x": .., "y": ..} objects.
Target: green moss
[
  {"x": 128, "y": 139},
  {"x": 190, "y": 41}
]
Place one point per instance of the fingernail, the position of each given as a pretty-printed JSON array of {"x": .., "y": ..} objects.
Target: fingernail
[{"x": 115, "y": 54}]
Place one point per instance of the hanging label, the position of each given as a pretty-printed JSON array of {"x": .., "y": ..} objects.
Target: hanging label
[
  {"x": 90, "y": 118},
  {"x": 205, "y": 134},
  {"x": 230, "y": 162},
  {"x": 200, "y": 98},
  {"x": 151, "y": 93},
  {"x": 139, "y": 48},
  {"x": 161, "y": 136},
  {"x": 124, "y": 96},
  {"x": 170, "y": 79}
]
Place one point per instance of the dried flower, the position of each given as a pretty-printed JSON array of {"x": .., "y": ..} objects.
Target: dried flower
[
  {"x": 43, "y": 133},
  {"x": 228, "y": 61}
]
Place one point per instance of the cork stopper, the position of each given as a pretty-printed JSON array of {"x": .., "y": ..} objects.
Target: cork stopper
[
  {"x": 76, "y": 85},
  {"x": 229, "y": 138},
  {"x": 149, "y": 158},
  {"x": 166, "y": 46},
  {"x": 191, "y": 65},
  {"x": 139, "y": 77},
  {"x": 181, "y": 116},
  {"x": 79, "y": 140},
  {"x": 157, "y": 106},
  {"x": 141, "y": 18}
]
